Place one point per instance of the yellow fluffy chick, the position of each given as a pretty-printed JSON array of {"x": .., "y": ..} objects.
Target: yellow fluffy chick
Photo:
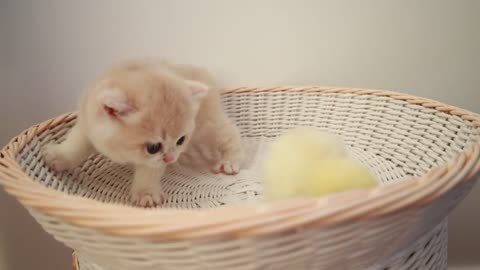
[{"x": 305, "y": 162}]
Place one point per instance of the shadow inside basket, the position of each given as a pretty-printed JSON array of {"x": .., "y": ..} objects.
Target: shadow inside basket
[{"x": 100, "y": 179}]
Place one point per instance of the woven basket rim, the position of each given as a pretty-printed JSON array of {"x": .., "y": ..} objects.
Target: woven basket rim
[{"x": 241, "y": 221}]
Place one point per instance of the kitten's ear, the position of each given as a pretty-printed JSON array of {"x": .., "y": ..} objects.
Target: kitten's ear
[
  {"x": 115, "y": 103},
  {"x": 199, "y": 90}
]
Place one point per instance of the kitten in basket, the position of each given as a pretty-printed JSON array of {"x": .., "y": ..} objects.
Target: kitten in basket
[{"x": 151, "y": 113}]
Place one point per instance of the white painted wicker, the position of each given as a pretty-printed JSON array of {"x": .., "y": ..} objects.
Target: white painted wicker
[{"x": 426, "y": 154}]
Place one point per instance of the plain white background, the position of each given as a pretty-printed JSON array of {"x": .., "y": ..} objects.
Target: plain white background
[{"x": 51, "y": 50}]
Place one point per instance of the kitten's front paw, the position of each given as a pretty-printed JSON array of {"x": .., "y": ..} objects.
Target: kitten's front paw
[
  {"x": 227, "y": 167},
  {"x": 148, "y": 198},
  {"x": 54, "y": 158}
]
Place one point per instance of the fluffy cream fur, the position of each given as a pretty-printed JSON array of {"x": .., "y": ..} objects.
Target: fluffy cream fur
[{"x": 151, "y": 101}]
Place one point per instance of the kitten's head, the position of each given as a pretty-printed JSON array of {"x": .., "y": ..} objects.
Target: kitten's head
[{"x": 148, "y": 115}]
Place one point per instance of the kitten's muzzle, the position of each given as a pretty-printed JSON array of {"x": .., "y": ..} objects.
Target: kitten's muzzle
[{"x": 167, "y": 158}]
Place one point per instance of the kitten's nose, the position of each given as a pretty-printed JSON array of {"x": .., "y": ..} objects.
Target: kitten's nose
[{"x": 167, "y": 158}]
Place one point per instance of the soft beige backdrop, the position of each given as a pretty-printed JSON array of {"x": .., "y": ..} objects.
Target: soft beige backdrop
[{"x": 50, "y": 50}]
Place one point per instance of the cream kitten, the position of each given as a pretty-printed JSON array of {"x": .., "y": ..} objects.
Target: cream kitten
[{"x": 147, "y": 113}]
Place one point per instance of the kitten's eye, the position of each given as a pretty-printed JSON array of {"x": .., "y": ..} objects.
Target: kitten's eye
[
  {"x": 181, "y": 140},
  {"x": 153, "y": 148}
]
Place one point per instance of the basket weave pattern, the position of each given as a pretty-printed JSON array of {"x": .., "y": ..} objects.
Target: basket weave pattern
[{"x": 431, "y": 152}]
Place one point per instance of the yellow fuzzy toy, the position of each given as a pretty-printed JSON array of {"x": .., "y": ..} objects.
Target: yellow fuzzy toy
[{"x": 305, "y": 162}]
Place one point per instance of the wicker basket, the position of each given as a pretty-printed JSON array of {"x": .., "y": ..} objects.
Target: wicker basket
[{"x": 429, "y": 150}]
